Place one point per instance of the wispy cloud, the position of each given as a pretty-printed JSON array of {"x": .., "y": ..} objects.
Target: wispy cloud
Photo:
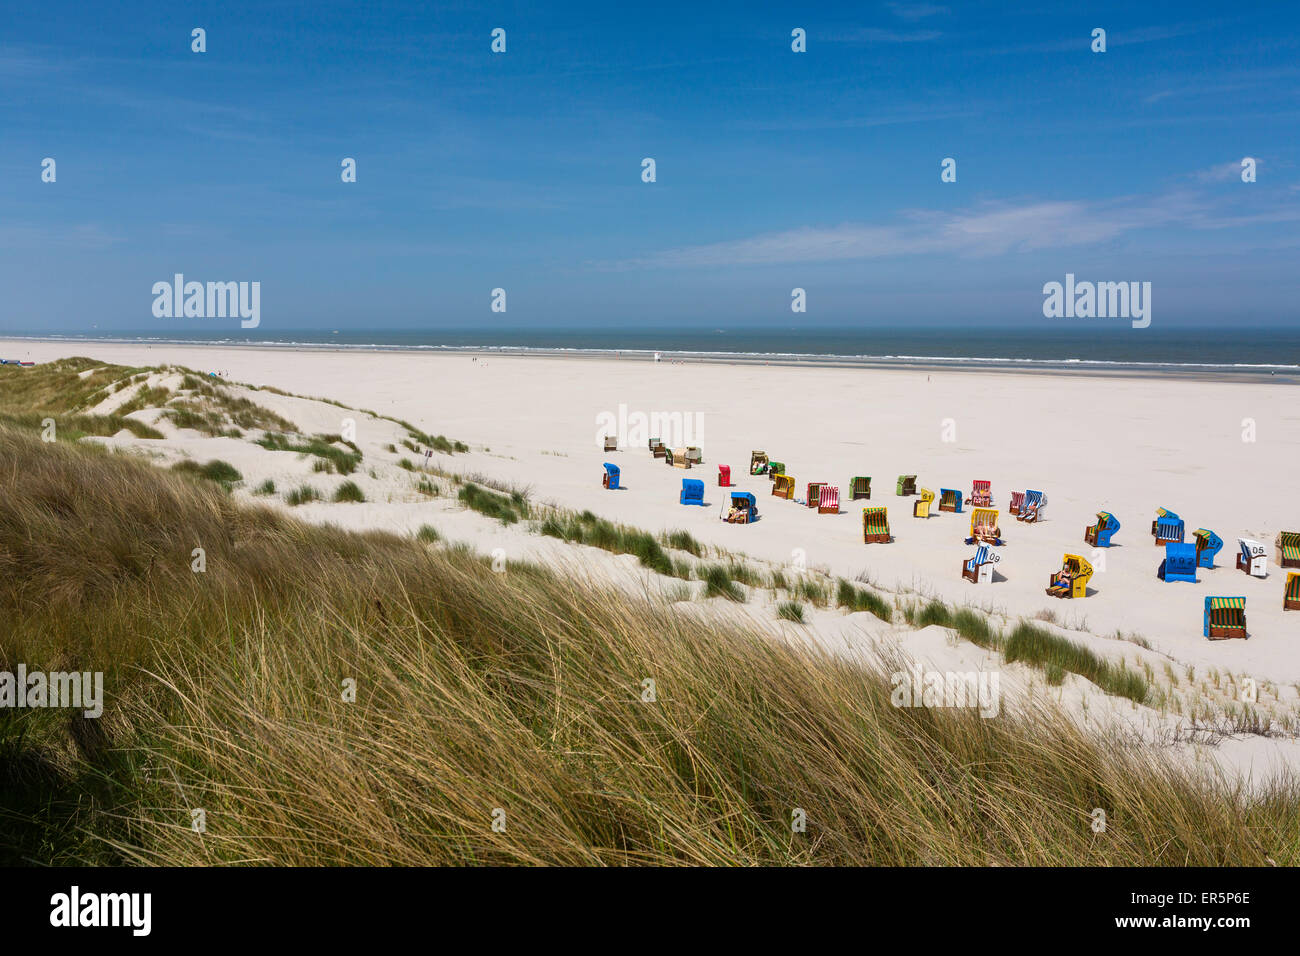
[
  {"x": 915, "y": 11},
  {"x": 985, "y": 230},
  {"x": 879, "y": 35}
]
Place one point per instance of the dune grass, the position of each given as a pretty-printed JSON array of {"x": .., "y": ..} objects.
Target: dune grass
[
  {"x": 860, "y": 599},
  {"x": 586, "y": 528},
  {"x": 324, "y": 447},
  {"x": 1057, "y": 654},
  {"x": 349, "y": 491},
  {"x": 508, "y": 509},
  {"x": 221, "y": 472},
  {"x": 790, "y": 611},
  {"x": 231, "y": 690}
]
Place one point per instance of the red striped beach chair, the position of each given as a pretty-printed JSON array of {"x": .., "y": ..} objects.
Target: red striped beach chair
[
  {"x": 724, "y": 476},
  {"x": 1017, "y": 502},
  {"x": 981, "y": 494},
  {"x": 828, "y": 500},
  {"x": 814, "y": 493}
]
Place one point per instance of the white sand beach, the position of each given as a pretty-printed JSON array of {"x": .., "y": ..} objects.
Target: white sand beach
[{"x": 1122, "y": 445}]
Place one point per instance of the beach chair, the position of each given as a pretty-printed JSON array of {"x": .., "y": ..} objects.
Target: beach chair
[
  {"x": 611, "y": 443},
  {"x": 828, "y": 500},
  {"x": 1208, "y": 544},
  {"x": 1072, "y": 580},
  {"x": 610, "y": 479},
  {"x": 1225, "y": 617},
  {"x": 875, "y": 526},
  {"x": 1167, "y": 527},
  {"x": 979, "y": 569},
  {"x": 813, "y": 494},
  {"x": 1032, "y": 508},
  {"x": 984, "y": 527},
  {"x": 1179, "y": 563},
  {"x": 1291, "y": 594},
  {"x": 1252, "y": 558},
  {"x": 783, "y": 487},
  {"x": 981, "y": 494},
  {"x": 921, "y": 507},
  {"x": 1288, "y": 549},
  {"x": 679, "y": 458},
  {"x": 657, "y": 448},
  {"x": 906, "y": 485},
  {"x": 692, "y": 491},
  {"x": 758, "y": 463},
  {"x": 694, "y": 454},
  {"x": 859, "y": 488},
  {"x": 1017, "y": 502},
  {"x": 724, "y": 476},
  {"x": 775, "y": 468},
  {"x": 743, "y": 510},
  {"x": 950, "y": 500},
  {"x": 1098, "y": 535}
]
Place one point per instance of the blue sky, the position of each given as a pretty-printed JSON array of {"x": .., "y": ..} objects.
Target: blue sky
[{"x": 522, "y": 170}]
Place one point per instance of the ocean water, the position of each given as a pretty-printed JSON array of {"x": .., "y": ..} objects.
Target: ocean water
[{"x": 1218, "y": 350}]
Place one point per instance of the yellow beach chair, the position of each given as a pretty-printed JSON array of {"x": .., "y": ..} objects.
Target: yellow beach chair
[{"x": 921, "y": 507}]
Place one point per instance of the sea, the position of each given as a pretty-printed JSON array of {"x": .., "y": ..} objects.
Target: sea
[{"x": 1208, "y": 351}]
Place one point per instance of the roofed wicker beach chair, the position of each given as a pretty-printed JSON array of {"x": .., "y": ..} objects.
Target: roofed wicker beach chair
[
  {"x": 828, "y": 500},
  {"x": 1167, "y": 527},
  {"x": 677, "y": 458},
  {"x": 1179, "y": 563},
  {"x": 743, "y": 510},
  {"x": 657, "y": 448},
  {"x": 1208, "y": 544},
  {"x": 813, "y": 493},
  {"x": 692, "y": 492},
  {"x": 1288, "y": 549},
  {"x": 1017, "y": 502},
  {"x": 1252, "y": 558},
  {"x": 906, "y": 485},
  {"x": 979, "y": 569},
  {"x": 1072, "y": 580},
  {"x": 950, "y": 500},
  {"x": 724, "y": 476},
  {"x": 694, "y": 454},
  {"x": 611, "y": 443},
  {"x": 984, "y": 527},
  {"x": 875, "y": 526},
  {"x": 859, "y": 488},
  {"x": 1032, "y": 508},
  {"x": 1098, "y": 535},
  {"x": 921, "y": 507},
  {"x": 610, "y": 478},
  {"x": 783, "y": 487},
  {"x": 1291, "y": 594},
  {"x": 758, "y": 463},
  {"x": 981, "y": 494},
  {"x": 1225, "y": 617},
  {"x": 775, "y": 468}
]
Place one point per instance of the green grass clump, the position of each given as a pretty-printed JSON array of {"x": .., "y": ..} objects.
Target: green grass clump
[
  {"x": 427, "y": 533},
  {"x": 683, "y": 541},
  {"x": 975, "y": 627},
  {"x": 301, "y": 495},
  {"x": 349, "y": 491},
  {"x": 505, "y": 508},
  {"x": 586, "y": 528},
  {"x": 858, "y": 599},
  {"x": 1041, "y": 648},
  {"x": 321, "y": 446},
  {"x": 718, "y": 583},
  {"x": 216, "y": 470},
  {"x": 265, "y": 488},
  {"x": 790, "y": 611}
]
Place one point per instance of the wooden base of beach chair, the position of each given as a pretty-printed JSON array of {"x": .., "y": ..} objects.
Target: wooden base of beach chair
[
  {"x": 875, "y": 539},
  {"x": 1290, "y": 604},
  {"x": 1059, "y": 591},
  {"x": 827, "y": 510},
  {"x": 1226, "y": 633}
]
